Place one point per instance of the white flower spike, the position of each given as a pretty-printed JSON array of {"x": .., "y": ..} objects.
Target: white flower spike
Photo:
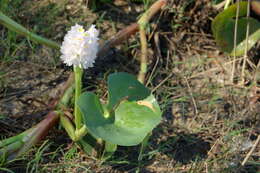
[{"x": 80, "y": 47}]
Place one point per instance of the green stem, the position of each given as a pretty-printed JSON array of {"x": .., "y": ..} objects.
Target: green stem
[
  {"x": 64, "y": 101},
  {"x": 12, "y": 25},
  {"x": 78, "y": 84},
  {"x": 81, "y": 132},
  {"x": 16, "y": 145},
  {"x": 10, "y": 140},
  {"x": 68, "y": 126},
  {"x": 74, "y": 135}
]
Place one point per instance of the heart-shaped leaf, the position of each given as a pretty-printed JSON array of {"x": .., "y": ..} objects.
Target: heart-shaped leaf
[
  {"x": 224, "y": 26},
  {"x": 132, "y": 119}
]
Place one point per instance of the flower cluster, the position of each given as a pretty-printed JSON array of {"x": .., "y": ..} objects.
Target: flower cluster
[{"x": 80, "y": 47}]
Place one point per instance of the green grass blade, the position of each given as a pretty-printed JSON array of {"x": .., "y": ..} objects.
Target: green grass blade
[{"x": 12, "y": 25}]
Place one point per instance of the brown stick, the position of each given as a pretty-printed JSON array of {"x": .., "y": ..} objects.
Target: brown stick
[
  {"x": 118, "y": 38},
  {"x": 251, "y": 151},
  {"x": 125, "y": 33},
  {"x": 155, "y": 8}
]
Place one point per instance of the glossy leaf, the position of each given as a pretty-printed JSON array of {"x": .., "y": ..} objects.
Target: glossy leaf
[
  {"x": 223, "y": 28},
  {"x": 125, "y": 86},
  {"x": 130, "y": 121}
]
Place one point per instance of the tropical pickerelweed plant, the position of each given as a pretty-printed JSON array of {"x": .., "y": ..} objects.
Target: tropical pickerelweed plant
[
  {"x": 126, "y": 118},
  {"x": 131, "y": 111}
]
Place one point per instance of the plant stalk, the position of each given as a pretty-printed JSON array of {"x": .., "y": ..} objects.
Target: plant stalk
[{"x": 78, "y": 86}]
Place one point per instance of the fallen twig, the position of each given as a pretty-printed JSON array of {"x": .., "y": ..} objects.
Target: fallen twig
[
  {"x": 251, "y": 151},
  {"x": 118, "y": 38}
]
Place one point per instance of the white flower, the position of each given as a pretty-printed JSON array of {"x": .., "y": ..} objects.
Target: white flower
[{"x": 80, "y": 47}]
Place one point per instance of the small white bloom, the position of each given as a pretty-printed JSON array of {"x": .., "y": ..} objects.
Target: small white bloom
[{"x": 80, "y": 47}]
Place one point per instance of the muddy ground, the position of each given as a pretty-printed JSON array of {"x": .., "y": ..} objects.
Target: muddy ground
[{"x": 209, "y": 123}]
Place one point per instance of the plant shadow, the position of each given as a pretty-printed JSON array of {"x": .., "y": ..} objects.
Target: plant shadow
[
  {"x": 185, "y": 148},
  {"x": 182, "y": 148}
]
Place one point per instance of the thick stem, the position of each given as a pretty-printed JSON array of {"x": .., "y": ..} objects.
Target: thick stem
[
  {"x": 78, "y": 85},
  {"x": 68, "y": 126},
  {"x": 10, "y": 140},
  {"x": 74, "y": 135},
  {"x": 11, "y": 148},
  {"x": 79, "y": 134},
  {"x": 65, "y": 100}
]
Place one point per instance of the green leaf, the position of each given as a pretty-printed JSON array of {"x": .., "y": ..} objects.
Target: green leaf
[
  {"x": 132, "y": 119},
  {"x": 125, "y": 86},
  {"x": 223, "y": 27}
]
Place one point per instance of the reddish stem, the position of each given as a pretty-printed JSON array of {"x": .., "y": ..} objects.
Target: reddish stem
[
  {"x": 45, "y": 125},
  {"x": 118, "y": 38}
]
